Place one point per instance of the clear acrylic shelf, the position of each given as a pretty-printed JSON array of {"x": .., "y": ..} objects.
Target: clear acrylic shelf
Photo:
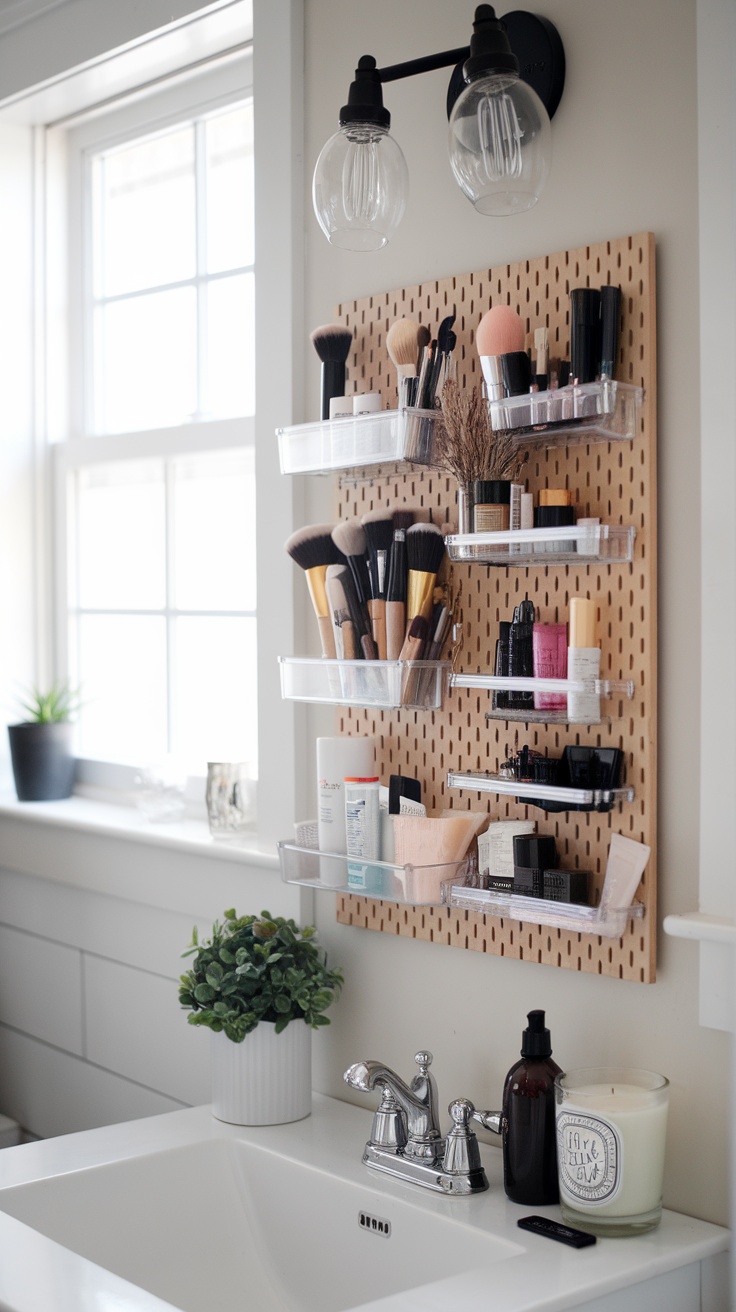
[
  {"x": 609, "y": 923},
  {"x": 390, "y": 685},
  {"x": 385, "y": 437},
  {"x": 337, "y": 873},
  {"x": 607, "y": 544},
  {"x": 606, "y": 411},
  {"x": 528, "y": 715},
  {"x": 588, "y": 799}
]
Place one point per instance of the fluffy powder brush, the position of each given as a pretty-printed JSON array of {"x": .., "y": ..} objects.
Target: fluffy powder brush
[
  {"x": 332, "y": 343},
  {"x": 314, "y": 550},
  {"x": 425, "y": 550}
]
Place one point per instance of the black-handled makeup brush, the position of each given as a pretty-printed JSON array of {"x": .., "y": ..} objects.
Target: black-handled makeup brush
[
  {"x": 349, "y": 537},
  {"x": 379, "y": 532},
  {"x": 332, "y": 343}
]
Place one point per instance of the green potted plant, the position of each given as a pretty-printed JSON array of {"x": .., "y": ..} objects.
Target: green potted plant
[
  {"x": 260, "y": 984},
  {"x": 41, "y": 745}
]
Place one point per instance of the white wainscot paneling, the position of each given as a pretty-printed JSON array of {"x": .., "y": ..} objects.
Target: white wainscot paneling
[
  {"x": 51, "y": 1092},
  {"x": 135, "y": 1026},
  {"x": 41, "y": 989}
]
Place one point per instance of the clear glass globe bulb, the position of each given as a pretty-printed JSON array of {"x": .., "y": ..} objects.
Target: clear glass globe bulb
[
  {"x": 360, "y": 187},
  {"x": 500, "y": 144}
]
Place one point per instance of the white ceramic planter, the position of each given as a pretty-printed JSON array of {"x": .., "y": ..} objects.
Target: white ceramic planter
[{"x": 266, "y": 1079}]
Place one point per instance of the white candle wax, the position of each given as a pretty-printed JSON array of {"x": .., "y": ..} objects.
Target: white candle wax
[{"x": 610, "y": 1143}]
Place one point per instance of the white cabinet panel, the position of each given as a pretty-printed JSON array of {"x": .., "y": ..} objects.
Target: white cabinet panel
[
  {"x": 41, "y": 989},
  {"x": 51, "y": 1092},
  {"x": 134, "y": 1025}
]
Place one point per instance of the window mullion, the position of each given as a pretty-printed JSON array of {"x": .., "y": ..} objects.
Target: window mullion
[
  {"x": 200, "y": 185},
  {"x": 171, "y": 634}
]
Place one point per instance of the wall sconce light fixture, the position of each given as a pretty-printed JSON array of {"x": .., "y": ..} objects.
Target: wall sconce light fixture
[{"x": 504, "y": 89}]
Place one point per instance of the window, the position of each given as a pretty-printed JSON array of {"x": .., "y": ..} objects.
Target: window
[{"x": 156, "y": 478}]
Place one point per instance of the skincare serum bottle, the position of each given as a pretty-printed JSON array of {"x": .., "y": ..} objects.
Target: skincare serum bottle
[
  {"x": 529, "y": 1143},
  {"x": 583, "y": 661}
]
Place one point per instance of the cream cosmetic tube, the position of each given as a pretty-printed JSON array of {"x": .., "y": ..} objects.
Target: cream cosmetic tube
[
  {"x": 627, "y": 861},
  {"x": 336, "y": 758},
  {"x": 583, "y": 661}
]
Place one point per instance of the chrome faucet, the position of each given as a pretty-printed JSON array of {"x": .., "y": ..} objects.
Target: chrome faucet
[{"x": 406, "y": 1140}]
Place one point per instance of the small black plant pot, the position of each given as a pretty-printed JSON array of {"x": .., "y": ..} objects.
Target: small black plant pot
[{"x": 43, "y": 762}]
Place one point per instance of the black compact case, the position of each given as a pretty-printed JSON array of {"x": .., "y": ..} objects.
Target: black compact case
[{"x": 595, "y": 768}]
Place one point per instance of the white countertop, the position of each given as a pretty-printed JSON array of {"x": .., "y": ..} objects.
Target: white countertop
[{"x": 39, "y": 1275}]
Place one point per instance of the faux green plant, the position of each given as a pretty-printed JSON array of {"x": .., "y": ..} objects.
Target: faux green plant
[
  {"x": 256, "y": 968},
  {"x": 52, "y": 707}
]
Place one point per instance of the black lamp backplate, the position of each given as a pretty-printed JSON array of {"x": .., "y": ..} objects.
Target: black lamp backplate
[{"x": 537, "y": 45}]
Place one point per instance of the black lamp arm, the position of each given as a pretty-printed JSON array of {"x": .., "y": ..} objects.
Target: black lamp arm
[{"x": 426, "y": 64}]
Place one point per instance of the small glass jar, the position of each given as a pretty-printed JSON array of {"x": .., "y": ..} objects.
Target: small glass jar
[{"x": 230, "y": 798}]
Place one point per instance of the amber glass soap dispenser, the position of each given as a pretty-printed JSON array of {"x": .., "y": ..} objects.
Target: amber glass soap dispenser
[{"x": 529, "y": 1147}]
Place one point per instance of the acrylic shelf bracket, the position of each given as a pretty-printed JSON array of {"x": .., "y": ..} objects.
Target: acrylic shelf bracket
[
  {"x": 604, "y": 544},
  {"x": 603, "y": 688},
  {"x": 586, "y": 799},
  {"x": 603, "y": 922}
]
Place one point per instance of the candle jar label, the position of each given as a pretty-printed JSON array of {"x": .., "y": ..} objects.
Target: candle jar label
[{"x": 590, "y": 1158}]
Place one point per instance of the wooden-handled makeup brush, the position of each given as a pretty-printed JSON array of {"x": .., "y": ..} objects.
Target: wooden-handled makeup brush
[
  {"x": 314, "y": 550},
  {"x": 379, "y": 532},
  {"x": 396, "y": 596},
  {"x": 405, "y": 341},
  {"x": 425, "y": 549},
  {"x": 332, "y": 343},
  {"x": 500, "y": 331},
  {"x": 349, "y": 537}
]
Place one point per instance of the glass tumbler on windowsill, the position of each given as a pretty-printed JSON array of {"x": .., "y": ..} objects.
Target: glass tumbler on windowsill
[{"x": 230, "y": 798}]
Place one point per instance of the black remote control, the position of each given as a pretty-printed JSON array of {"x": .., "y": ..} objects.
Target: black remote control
[{"x": 564, "y": 1234}]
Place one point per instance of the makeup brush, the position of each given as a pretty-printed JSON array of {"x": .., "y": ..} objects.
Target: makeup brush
[
  {"x": 313, "y": 550},
  {"x": 415, "y": 640},
  {"x": 332, "y": 343},
  {"x": 425, "y": 549},
  {"x": 379, "y": 532},
  {"x": 346, "y": 639},
  {"x": 405, "y": 341},
  {"x": 396, "y": 596},
  {"x": 349, "y": 537},
  {"x": 358, "y": 616},
  {"x": 500, "y": 331}
]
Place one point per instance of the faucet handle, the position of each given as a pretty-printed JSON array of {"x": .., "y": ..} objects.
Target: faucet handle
[
  {"x": 492, "y": 1121},
  {"x": 423, "y": 1060},
  {"x": 462, "y": 1154}
]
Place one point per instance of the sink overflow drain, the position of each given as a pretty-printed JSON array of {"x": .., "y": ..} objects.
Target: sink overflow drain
[{"x": 377, "y": 1224}]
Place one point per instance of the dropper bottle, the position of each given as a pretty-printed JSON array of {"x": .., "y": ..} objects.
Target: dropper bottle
[{"x": 528, "y": 1127}]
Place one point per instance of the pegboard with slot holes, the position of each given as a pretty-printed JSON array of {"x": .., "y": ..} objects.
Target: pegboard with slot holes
[{"x": 614, "y": 481}]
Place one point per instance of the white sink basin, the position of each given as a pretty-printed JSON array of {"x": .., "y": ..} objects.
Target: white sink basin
[
  {"x": 182, "y": 1211},
  {"x": 199, "y": 1225}
]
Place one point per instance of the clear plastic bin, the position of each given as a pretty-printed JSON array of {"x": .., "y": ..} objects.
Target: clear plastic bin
[
  {"x": 389, "y": 685},
  {"x": 607, "y": 411},
  {"x": 335, "y": 872},
  {"x": 540, "y": 911},
  {"x": 386, "y": 437},
  {"x": 527, "y": 547}
]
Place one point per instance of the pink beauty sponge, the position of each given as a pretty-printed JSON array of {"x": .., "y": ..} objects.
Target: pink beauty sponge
[{"x": 499, "y": 331}]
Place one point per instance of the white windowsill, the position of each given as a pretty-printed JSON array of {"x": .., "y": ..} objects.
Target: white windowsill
[
  {"x": 701, "y": 927},
  {"x": 118, "y": 821}
]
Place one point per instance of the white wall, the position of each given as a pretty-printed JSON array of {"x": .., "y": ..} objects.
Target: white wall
[{"x": 625, "y": 160}]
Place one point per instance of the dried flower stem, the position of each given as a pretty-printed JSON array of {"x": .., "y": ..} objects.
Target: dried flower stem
[{"x": 468, "y": 446}]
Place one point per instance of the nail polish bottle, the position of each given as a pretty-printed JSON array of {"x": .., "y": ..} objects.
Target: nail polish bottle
[{"x": 529, "y": 1144}]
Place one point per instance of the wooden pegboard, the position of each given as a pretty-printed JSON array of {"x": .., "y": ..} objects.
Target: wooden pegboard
[{"x": 615, "y": 481}]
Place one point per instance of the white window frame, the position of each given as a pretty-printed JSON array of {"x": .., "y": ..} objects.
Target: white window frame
[
  {"x": 35, "y": 174},
  {"x": 209, "y": 92}
]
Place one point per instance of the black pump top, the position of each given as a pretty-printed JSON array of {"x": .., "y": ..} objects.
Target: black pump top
[{"x": 536, "y": 1040}]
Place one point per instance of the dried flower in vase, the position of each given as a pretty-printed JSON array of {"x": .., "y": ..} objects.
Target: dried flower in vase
[{"x": 468, "y": 447}]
